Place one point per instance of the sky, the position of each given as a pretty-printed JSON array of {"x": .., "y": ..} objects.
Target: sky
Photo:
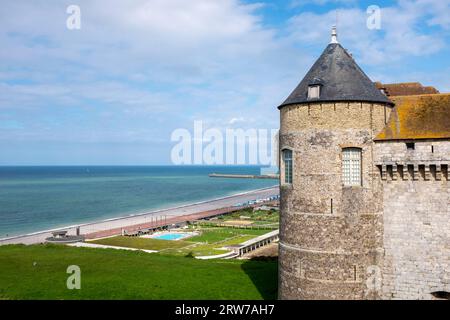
[{"x": 113, "y": 91}]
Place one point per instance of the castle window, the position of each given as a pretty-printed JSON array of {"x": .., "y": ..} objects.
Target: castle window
[
  {"x": 351, "y": 166},
  {"x": 410, "y": 145},
  {"x": 287, "y": 162},
  {"x": 314, "y": 91}
]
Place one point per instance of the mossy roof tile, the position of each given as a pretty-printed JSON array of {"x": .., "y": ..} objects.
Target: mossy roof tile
[{"x": 418, "y": 117}]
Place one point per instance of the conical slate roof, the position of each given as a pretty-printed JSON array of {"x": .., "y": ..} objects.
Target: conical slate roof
[{"x": 341, "y": 79}]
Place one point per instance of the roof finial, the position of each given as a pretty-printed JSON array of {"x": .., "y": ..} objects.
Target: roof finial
[{"x": 334, "y": 35}]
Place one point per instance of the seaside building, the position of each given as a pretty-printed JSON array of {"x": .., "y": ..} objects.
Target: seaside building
[{"x": 365, "y": 197}]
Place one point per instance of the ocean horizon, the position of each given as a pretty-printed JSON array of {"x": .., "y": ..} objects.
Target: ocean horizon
[{"x": 36, "y": 198}]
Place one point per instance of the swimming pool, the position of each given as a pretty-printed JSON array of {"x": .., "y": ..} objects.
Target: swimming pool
[{"x": 171, "y": 236}]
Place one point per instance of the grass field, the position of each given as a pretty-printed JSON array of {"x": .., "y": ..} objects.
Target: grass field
[
  {"x": 39, "y": 272},
  {"x": 208, "y": 242},
  {"x": 255, "y": 216},
  {"x": 211, "y": 249},
  {"x": 212, "y": 235},
  {"x": 141, "y": 243}
]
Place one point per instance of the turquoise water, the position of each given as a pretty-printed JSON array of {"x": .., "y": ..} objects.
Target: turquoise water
[
  {"x": 40, "y": 198},
  {"x": 170, "y": 236}
]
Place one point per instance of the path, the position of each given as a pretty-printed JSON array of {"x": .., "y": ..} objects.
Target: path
[{"x": 182, "y": 213}]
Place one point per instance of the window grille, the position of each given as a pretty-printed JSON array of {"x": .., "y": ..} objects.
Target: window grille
[{"x": 351, "y": 166}]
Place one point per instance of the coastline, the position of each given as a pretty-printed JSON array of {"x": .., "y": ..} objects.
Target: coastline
[
  {"x": 42, "y": 198},
  {"x": 143, "y": 217}
]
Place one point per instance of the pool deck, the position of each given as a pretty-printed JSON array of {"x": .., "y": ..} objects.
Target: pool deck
[
  {"x": 140, "y": 221},
  {"x": 163, "y": 235}
]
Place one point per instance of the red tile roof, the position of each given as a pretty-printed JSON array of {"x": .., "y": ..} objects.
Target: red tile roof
[{"x": 405, "y": 88}]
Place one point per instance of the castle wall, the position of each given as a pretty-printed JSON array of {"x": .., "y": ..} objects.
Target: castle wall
[
  {"x": 331, "y": 236},
  {"x": 416, "y": 218}
]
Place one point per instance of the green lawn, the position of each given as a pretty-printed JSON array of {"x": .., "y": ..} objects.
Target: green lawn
[
  {"x": 141, "y": 243},
  {"x": 208, "y": 242},
  {"x": 212, "y": 235},
  {"x": 258, "y": 215},
  {"x": 208, "y": 249},
  {"x": 39, "y": 272},
  {"x": 269, "y": 216}
]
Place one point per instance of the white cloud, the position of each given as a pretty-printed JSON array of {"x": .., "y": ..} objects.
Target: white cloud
[
  {"x": 141, "y": 68},
  {"x": 436, "y": 12},
  {"x": 236, "y": 120},
  {"x": 298, "y": 3},
  {"x": 398, "y": 37},
  {"x": 137, "y": 69}
]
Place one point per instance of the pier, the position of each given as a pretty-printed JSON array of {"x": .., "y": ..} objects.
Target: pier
[{"x": 244, "y": 176}]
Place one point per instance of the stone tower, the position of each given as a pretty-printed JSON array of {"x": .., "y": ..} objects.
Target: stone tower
[{"x": 331, "y": 232}]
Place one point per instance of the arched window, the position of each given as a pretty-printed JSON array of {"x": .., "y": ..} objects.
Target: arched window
[
  {"x": 287, "y": 162},
  {"x": 351, "y": 166}
]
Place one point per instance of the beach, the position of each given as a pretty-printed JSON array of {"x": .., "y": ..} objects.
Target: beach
[
  {"x": 49, "y": 197},
  {"x": 173, "y": 214}
]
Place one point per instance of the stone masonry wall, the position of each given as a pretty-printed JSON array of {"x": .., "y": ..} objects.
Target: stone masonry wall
[
  {"x": 330, "y": 235},
  {"x": 416, "y": 218}
]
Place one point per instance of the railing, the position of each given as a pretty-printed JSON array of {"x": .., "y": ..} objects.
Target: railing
[{"x": 257, "y": 242}]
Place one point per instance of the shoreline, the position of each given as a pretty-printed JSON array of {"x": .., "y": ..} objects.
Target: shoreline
[{"x": 38, "y": 236}]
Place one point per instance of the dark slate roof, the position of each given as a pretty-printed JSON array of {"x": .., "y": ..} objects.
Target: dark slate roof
[{"x": 341, "y": 79}]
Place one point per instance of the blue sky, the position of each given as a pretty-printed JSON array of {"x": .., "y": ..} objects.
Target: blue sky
[{"x": 113, "y": 91}]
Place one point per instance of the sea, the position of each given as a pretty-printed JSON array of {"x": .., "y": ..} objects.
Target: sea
[{"x": 35, "y": 198}]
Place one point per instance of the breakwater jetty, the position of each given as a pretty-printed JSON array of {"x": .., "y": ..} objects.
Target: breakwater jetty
[{"x": 244, "y": 176}]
